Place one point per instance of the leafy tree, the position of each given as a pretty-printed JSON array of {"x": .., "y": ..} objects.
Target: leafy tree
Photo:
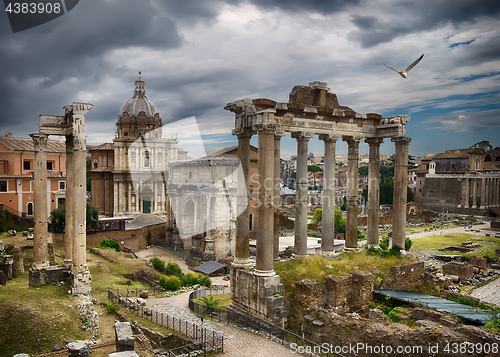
[
  {"x": 58, "y": 217},
  {"x": 110, "y": 243},
  {"x": 318, "y": 216},
  {"x": 386, "y": 172},
  {"x": 314, "y": 168},
  {"x": 363, "y": 170},
  {"x": 339, "y": 221}
]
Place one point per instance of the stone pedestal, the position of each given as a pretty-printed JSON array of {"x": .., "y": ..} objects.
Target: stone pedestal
[
  {"x": 258, "y": 295},
  {"x": 78, "y": 349},
  {"x": 124, "y": 336}
]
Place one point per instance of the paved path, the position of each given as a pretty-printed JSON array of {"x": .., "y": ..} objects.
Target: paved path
[
  {"x": 237, "y": 342},
  {"x": 490, "y": 293},
  {"x": 448, "y": 231}
]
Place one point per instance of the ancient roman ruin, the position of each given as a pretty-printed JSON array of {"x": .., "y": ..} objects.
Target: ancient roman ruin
[
  {"x": 72, "y": 126},
  {"x": 312, "y": 110}
]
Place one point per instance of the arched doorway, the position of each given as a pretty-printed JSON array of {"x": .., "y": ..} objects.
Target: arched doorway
[{"x": 29, "y": 209}]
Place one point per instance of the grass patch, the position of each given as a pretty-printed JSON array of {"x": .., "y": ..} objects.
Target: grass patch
[
  {"x": 224, "y": 300},
  {"x": 488, "y": 244}
]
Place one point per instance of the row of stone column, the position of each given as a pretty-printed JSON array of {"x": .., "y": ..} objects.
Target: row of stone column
[
  {"x": 269, "y": 184},
  {"x": 123, "y": 191},
  {"x": 486, "y": 190},
  {"x": 75, "y": 227}
]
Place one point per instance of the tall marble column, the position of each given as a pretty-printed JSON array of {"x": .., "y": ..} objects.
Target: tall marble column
[
  {"x": 70, "y": 202},
  {"x": 301, "y": 196},
  {"x": 265, "y": 226},
  {"x": 483, "y": 193},
  {"x": 351, "y": 239},
  {"x": 277, "y": 188},
  {"x": 400, "y": 200},
  {"x": 242, "y": 255},
  {"x": 328, "y": 207},
  {"x": 40, "y": 214},
  {"x": 474, "y": 193},
  {"x": 467, "y": 192},
  {"x": 373, "y": 190}
]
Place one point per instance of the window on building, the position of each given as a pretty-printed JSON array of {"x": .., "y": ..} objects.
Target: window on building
[
  {"x": 250, "y": 196},
  {"x": 3, "y": 186},
  {"x": 146, "y": 161},
  {"x": 62, "y": 185},
  {"x": 27, "y": 165},
  {"x": 95, "y": 164},
  {"x": 250, "y": 223},
  {"x": 49, "y": 165}
]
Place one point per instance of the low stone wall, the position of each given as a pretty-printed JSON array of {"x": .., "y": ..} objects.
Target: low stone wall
[
  {"x": 355, "y": 288},
  {"x": 408, "y": 275},
  {"x": 462, "y": 270},
  {"x": 135, "y": 239},
  {"x": 478, "y": 262}
]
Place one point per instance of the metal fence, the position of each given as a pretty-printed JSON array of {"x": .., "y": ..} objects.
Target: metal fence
[
  {"x": 205, "y": 341},
  {"x": 274, "y": 332}
]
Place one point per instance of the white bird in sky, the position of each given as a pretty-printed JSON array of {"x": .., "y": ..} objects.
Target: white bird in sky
[{"x": 404, "y": 73}]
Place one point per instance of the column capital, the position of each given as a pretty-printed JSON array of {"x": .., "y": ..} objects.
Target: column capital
[
  {"x": 401, "y": 139},
  {"x": 302, "y": 135},
  {"x": 329, "y": 137},
  {"x": 268, "y": 128},
  {"x": 351, "y": 140},
  {"x": 278, "y": 134},
  {"x": 243, "y": 132},
  {"x": 374, "y": 141},
  {"x": 40, "y": 141}
]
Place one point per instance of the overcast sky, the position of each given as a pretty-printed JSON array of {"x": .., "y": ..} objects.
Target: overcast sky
[{"x": 195, "y": 56}]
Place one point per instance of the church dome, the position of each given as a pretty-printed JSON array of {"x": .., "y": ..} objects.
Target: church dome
[
  {"x": 139, "y": 102},
  {"x": 138, "y": 115}
]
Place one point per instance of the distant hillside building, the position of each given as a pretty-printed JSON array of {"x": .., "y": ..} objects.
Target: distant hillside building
[
  {"x": 129, "y": 175},
  {"x": 16, "y": 174},
  {"x": 464, "y": 181}
]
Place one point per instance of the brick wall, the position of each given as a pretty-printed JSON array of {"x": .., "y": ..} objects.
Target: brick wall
[
  {"x": 462, "y": 270},
  {"x": 408, "y": 275}
]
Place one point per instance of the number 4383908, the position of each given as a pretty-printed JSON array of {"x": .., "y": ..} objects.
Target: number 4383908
[{"x": 33, "y": 8}]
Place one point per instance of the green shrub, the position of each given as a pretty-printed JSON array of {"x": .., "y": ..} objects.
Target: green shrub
[
  {"x": 110, "y": 243},
  {"x": 408, "y": 243},
  {"x": 157, "y": 263},
  {"x": 384, "y": 243},
  {"x": 170, "y": 282},
  {"x": 205, "y": 280},
  {"x": 190, "y": 279},
  {"x": 174, "y": 267},
  {"x": 112, "y": 308},
  {"x": 493, "y": 325}
]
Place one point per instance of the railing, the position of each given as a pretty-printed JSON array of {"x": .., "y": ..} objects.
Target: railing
[
  {"x": 205, "y": 341},
  {"x": 274, "y": 332},
  {"x": 14, "y": 211}
]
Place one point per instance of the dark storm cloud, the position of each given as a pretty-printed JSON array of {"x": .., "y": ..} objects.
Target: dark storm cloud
[
  {"x": 71, "y": 51},
  {"x": 320, "y": 6},
  {"x": 403, "y": 17}
]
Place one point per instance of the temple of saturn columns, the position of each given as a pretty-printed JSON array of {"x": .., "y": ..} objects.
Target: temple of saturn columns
[
  {"x": 311, "y": 110},
  {"x": 72, "y": 126}
]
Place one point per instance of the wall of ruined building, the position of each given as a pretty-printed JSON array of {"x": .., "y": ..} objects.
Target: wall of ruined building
[
  {"x": 135, "y": 239},
  {"x": 353, "y": 289},
  {"x": 407, "y": 276},
  {"x": 462, "y": 270}
]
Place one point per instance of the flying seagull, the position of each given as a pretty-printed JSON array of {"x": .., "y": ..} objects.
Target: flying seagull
[{"x": 405, "y": 72}]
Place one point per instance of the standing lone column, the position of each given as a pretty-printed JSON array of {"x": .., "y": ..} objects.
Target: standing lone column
[
  {"x": 474, "y": 193},
  {"x": 277, "y": 188},
  {"x": 300, "y": 244},
  {"x": 40, "y": 213},
  {"x": 373, "y": 190},
  {"x": 328, "y": 214},
  {"x": 351, "y": 239},
  {"x": 70, "y": 203},
  {"x": 265, "y": 226},
  {"x": 399, "y": 200},
  {"x": 242, "y": 255}
]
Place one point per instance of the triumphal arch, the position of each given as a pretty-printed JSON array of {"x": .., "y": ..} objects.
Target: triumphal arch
[
  {"x": 312, "y": 110},
  {"x": 71, "y": 125}
]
